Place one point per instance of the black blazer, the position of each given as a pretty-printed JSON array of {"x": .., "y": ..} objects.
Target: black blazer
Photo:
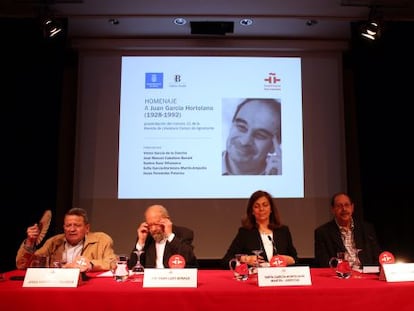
[
  {"x": 328, "y": 243},
  {"x": 247, "y": 240},
  {"x": 182, "y": 244}
]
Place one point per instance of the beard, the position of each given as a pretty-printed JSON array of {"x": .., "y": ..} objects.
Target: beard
[{"x": 158, "y": 236}]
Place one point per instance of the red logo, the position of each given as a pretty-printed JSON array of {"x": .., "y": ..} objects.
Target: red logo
[
  {"x": 272, "y": 78},
  {"x": 386, "y": 257},
  {"x": 343, "y": 267},
  {"x": 176, "y": 261},
  {"x": 278, "y": 261},
  {"x": 242, "y": 269}
]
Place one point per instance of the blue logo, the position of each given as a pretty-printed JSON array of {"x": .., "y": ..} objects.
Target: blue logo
[{"x": 154, "y": 80}]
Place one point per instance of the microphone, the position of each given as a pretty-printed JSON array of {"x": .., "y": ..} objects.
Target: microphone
[{"x": 273, "y": 243}]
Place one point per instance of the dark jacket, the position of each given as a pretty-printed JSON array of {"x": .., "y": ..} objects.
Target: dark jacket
[
  {"x": 182, "y": 244},
  {"x": 328, "y": 243},
  {"x": 247, "y": 240}
]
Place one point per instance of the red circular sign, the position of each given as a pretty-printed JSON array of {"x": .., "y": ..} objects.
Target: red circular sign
[
  {"x": 278, "y": 261},
  {"x": 176, "y": 261},
  {"x": 386, "y": 257},
  {"x": 242, "y": 269}
]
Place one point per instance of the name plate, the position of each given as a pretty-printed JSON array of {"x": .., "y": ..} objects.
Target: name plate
[
  {"x": 170, "y": 277},
  {"x": 399, "y": 272},
  {"x": 51, "y": 277},
  {"x": 284, "y": 276},
  {"x": 370, "y": 269}
]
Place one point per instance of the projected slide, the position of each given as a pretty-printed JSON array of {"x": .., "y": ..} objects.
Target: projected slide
[{"x": 210, "y": 127}]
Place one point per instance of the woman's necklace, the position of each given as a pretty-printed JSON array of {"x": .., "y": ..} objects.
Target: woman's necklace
[{"x": 265, "y": 231}]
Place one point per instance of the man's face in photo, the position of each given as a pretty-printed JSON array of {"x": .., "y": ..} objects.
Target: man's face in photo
[{"x": 252, "y": 136}]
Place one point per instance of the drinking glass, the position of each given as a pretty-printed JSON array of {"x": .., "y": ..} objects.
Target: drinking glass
[
  {"x": 121, "y": 271},
  {"x": 113, "y": 266},
  {"x": 340, "y": 264},
  {"x": 57, "y": 263},
  {"x": 137, "y": 271},
  {"x": 257, "y": 252},
  {"x": 240, "y": 269},
  {"x": 39, "y": 261},
  {"x": 357, "y": 265}
]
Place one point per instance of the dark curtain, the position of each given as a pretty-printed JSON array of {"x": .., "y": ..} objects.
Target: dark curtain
[
  {"x": 382, "y": 74},
  {"x": 32, "y": 68}
]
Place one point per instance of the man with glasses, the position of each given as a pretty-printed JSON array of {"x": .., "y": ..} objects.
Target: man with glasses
[
  {"x": 344, "y": 233},
  {"x": 159, "y": 240}
]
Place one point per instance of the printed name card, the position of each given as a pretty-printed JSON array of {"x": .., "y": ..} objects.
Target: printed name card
[
  {"x": 399, "y": 272},
  {"x": 370, "y": 269},
  {"x": 284, "y": 276},
  {"x": 51, "y": 277},
  {"x": 170, "y": 277}
]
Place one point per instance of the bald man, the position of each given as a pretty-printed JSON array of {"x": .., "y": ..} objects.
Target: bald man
[{"x": 159, "y": 239}]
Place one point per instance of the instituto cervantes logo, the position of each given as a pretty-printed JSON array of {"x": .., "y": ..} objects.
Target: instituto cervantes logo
[{"x": 272, "y": 82}]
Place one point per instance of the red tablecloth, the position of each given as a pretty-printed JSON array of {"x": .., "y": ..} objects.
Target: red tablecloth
[{"x": 216, "y": 290}]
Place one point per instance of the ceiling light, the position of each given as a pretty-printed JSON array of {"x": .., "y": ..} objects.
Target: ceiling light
[
  {"x": 180, "y": 21},
  {"x": 246, "y": 22},
  {"x": 372, "y": 28},
  {"x": 311, "y": 22},
  {"x": 113, "y": 21},
  {"x": 51, "y": 27}
]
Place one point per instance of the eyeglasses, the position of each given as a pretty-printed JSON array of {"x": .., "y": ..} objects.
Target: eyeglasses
[
  {"x": 154, "y": 225},
  {"x": 344, "y": 205}
]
